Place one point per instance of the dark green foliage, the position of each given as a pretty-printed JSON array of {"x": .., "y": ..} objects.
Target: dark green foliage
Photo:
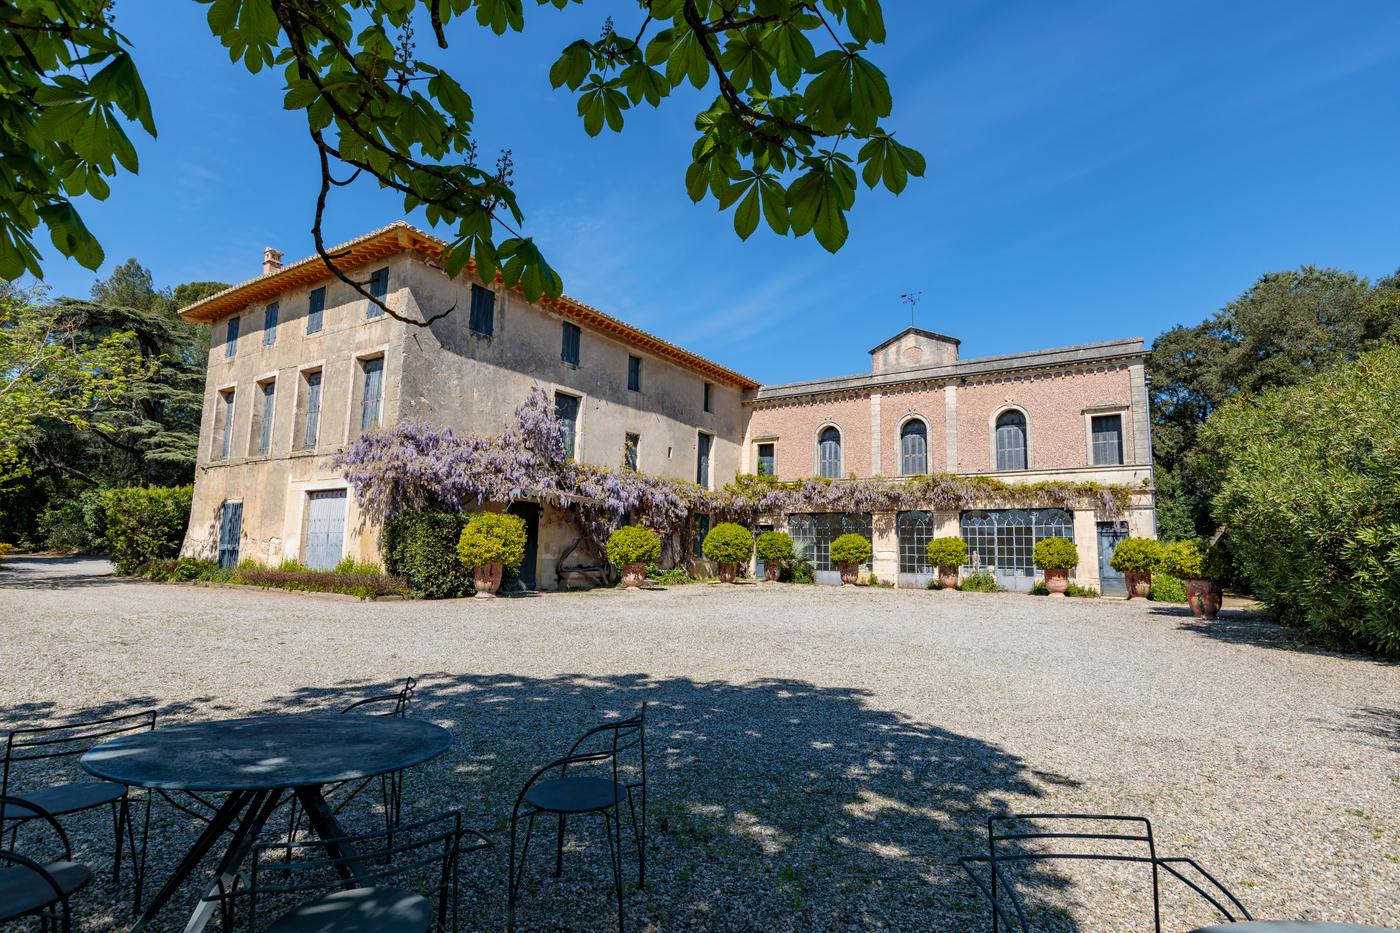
[
  {"x": 1307, "y": 481},
  {"x": 728, "y": 543},
  {"x": 850, "y": 549},
  {"x": 145, "y": 523},
  {"x": 183, "y": 569},
  {"x": 1055, "y": 554},
  {"x": 421, "y": 548},
  {"x": 1136, "y": 555},
  {"x": 980, "y": 581},
  {"x": 1167, "y": 588},
  {"x": 634, "y": 544},
  {"x": 774, "y": 547},
  {"x": 947, "y": 552},
  {"x": 798, "y": 571}
]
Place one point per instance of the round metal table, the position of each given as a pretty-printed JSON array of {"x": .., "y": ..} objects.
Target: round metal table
[{"x": 258, "y": 762}]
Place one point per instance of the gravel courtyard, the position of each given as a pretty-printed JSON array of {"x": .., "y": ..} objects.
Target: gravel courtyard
[{"x": 818, "y": 756}]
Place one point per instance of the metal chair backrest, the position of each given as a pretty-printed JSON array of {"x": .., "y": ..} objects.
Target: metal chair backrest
[
  {"x": 400, "y": 699},
  {"x": 37, "y": 865},
  {"x": 616, "y": 738},
  {"x": 46, "y": 743}
]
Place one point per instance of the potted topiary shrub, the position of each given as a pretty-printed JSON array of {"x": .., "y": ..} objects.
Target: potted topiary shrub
[
  {"x": 1200, "y": 567},
  {"x": 491, "y": 542},
  {"x": 947, "y": 554},
  {"x": 1056, "y": 556},
  {"x": 849, "y": 552},
  {"x": 775, "y": 550},
  {"x": 632, "y": 548},
  {"x": 1136, "y": 558},
  {"x": 728, "y": 545}
]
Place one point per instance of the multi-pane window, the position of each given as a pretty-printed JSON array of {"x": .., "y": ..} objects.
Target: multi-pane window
[
  {"x": 262, "y": 427},
  {"x": 1011, "y": 440},
  {"x": 372, "y": 392},
  {"x": 1002, "y": 540},
  {"x": 915, "y": 530},
  {"x": 634, "y": 373},
  {"x": 829, "y": 453},
  {"x": 270, "y": 325},
  {"x": 913, "y": 447},
  {"x": 709, "y": 397},
  {"x": 231, "y": 338},
  {"x": 630, "y": 443},
  {"x": 704, "y": 443},
  {"x": 378, "y": 289},
  {"x": 315, "y": 310},
  {"x": 812, "y": 534},
  {"x": 1107, "y": 436},
  {"x": 311, "y": 425},
  {"x": 224, "y": 422},
  {"x": 569, "y": 353},
  {"x": 767, "y": 460},
  {"x": 566, "y": 410},
  {"x": 483, "y": 316}
]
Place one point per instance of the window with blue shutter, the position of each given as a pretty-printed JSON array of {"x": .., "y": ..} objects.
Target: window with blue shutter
[
  {"x": 231, "y": 338},
  {"x": 226, "y": 428},
  {"x": 315, "y": 310},
  {"x": 572, "y": 337},
  {"x": 483, "y": 311},
  {"x": 1011, "y": 441},
  {"x": 566, "y": 410},
  {"x": 312, "y": 428},
  {"x": 372, "y": 394},
  {"x": 1107, "y": 439},
  {"x": 634, "y": 373},
  {"x": 270, "y": 325},
  {"x": 829, "y": 453},
  {"x": 378, "y": 288},
  {"x": 702, "y": 458},
  {"x": 269, "y": 395}
]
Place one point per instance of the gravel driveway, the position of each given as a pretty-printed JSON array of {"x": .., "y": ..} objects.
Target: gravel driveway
[{"x": 818, "y": 756}]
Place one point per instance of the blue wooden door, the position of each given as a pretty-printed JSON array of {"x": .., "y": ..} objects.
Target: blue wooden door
[
  {"x": 230, "y": 533},
  {"x": 325, "y": 529},
  {"x": 1111, "y": 582}
]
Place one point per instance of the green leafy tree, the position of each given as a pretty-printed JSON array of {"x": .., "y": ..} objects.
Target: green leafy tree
[{"x": 796, "y": 124}]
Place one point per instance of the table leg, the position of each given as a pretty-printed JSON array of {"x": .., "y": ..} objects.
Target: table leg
[
  {"x": 256, "y": 816},
  {"x": 323, "y": 823},
  {"x": 228, "y": 811}
]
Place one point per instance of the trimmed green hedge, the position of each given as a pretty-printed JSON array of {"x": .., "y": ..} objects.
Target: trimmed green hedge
[
  {"x": 634, "y": 544},
  {"x": 851, "y": 549},
  {"x": 492, "y": 538},
  {"x": 145, "y": 523},
  {"x": 774, "y": 547},
  {"x": 421, "y": 547},
  {"x": 728, "y": 543},
  {"x": 1055, "y": 554},
  {"x": 947, "y": 552},
  {"x": 1136, "y": 555}
]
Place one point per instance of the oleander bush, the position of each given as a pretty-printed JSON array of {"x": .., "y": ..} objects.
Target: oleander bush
[
  {"x": 850, "y": 549},
  {"x": 728, "y": 543},
  {"x": 634, "y": 544},
  {"x": 1167, "y": 589},
  {"x": 774, "y": 547},
  {"x": 947, "y": 552},
  {"x": 980, "y": 581},
  {"x": 1137, "y": 555},
  {"x": 1055, "y": 554},
  {"x": 145, "y": 523},
  {"x": 421, "y": 547},
  {"x": 492, "y": 538}
]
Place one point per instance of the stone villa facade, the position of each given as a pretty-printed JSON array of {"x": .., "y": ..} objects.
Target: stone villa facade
[{"x": 300, "y": 364}]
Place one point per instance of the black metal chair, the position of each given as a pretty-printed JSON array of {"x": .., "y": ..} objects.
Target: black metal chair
[
  {"x": 33, "y": 888},
  {"x": 362, "y": 883},
  {"x": 567, "y": 795},
  {"x": 26, "y": 748},
  {"x": 1007, "y": 835}
]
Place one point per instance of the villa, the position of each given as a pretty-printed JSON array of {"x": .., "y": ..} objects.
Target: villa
[{"x": 300, "y": 364}]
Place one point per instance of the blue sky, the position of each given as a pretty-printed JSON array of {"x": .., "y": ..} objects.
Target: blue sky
[{"x": 1095, "y": 171}]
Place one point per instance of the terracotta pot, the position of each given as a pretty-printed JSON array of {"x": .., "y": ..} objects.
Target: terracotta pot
[
  {"x": 1057, "y": 581},
  {"x": 487, "y": 579},
  {"x": 850, "y": 574},
  {"x": 1203, "y": 596},
  {"x": 1139, "y": 584},
  {"x": 727, "y": 572},
  {"x": 948, "y": 576},
  {"x": 771, "y": 572},
  {"x": 634, "y": 575}
]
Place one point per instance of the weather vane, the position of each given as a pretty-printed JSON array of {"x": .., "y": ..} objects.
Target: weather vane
[{"x": 912, "y": 300}]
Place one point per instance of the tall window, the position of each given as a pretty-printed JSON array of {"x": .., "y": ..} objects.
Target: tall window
[
  {"x": 630, "y": 443},
  {"x": 913, "y": 447},
  {"x": 312, "y": 423},
  {"x": 704, "y": 442},
  {"x": 1011, "y": 440},
  {"x": 225, "y": 423},
  {"x": 829, "y": 453},
  {"x": 263, "y": 427},
  {"x": 572, "y": 337},
  {"x": 270, "y": 325},
  {"x": 566, "y": 410},
  {"x": 372, "y": 393},
  {"x": 378, "y": 288},
  {"x": 231, "y": 338},
  {"x": 483, "y": 318},
  {"x": 315, "y": 310},
  {"x": 634, "y": 373},
  {"x": 1107, "y": 436},
  {"x": 767, "y": 460},
  {"x": 701, "y": 525},
  {"x": 709, "y": 397}
]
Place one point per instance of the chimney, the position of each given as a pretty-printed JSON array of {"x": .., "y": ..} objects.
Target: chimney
[{"x": 272, "y": 261}]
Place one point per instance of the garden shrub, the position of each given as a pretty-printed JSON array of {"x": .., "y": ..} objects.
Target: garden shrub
[
  {"x": 1039, "y": 588},
  {"x": 850, "y": 549},
  {"x": 421, "y": 547},
  {"x": 351, "y": 565},
  {"x": 934, "y": 584},
  {"x": 1167, "y": 589},
  {"x": 145, "y": 523},
  {"x": 1136, "y": 555},
  {"x": 774, "y": 547},
  {"x": 181, "y": 569},
  {"x": 633, "y": 544},
  {"x": 5, "y": 550},
  {"x": 799, "y": 570},
  {"x": 947, "y": 552},
  {"x": 728, "y": 543},
  {"x": 1087, "y": 592},
  {"x": 492, "y": 538},
  {"x": 1307, "y": 482},
  {"x": 1193, "y": 559},
  {"x": 1055, "y": 554},
  {"x": 675, "y": 576},
  {"x": 291, "y": 565},
  {"x": 364, "y": 585},
  {"x": 980, "y": 581},
  {"x": 74, "y": 523}
]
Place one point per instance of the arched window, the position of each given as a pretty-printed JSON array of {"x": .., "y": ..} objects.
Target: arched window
[
  {"x": 913, "y": 447},
  {"x": 1011, "y": 440},
  {"x": 829, "y": 453}
]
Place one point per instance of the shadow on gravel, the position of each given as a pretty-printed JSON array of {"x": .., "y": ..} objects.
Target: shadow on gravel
[
  {"x": 56, "y": 573},
  {"x": 1379, "y": 723}
]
